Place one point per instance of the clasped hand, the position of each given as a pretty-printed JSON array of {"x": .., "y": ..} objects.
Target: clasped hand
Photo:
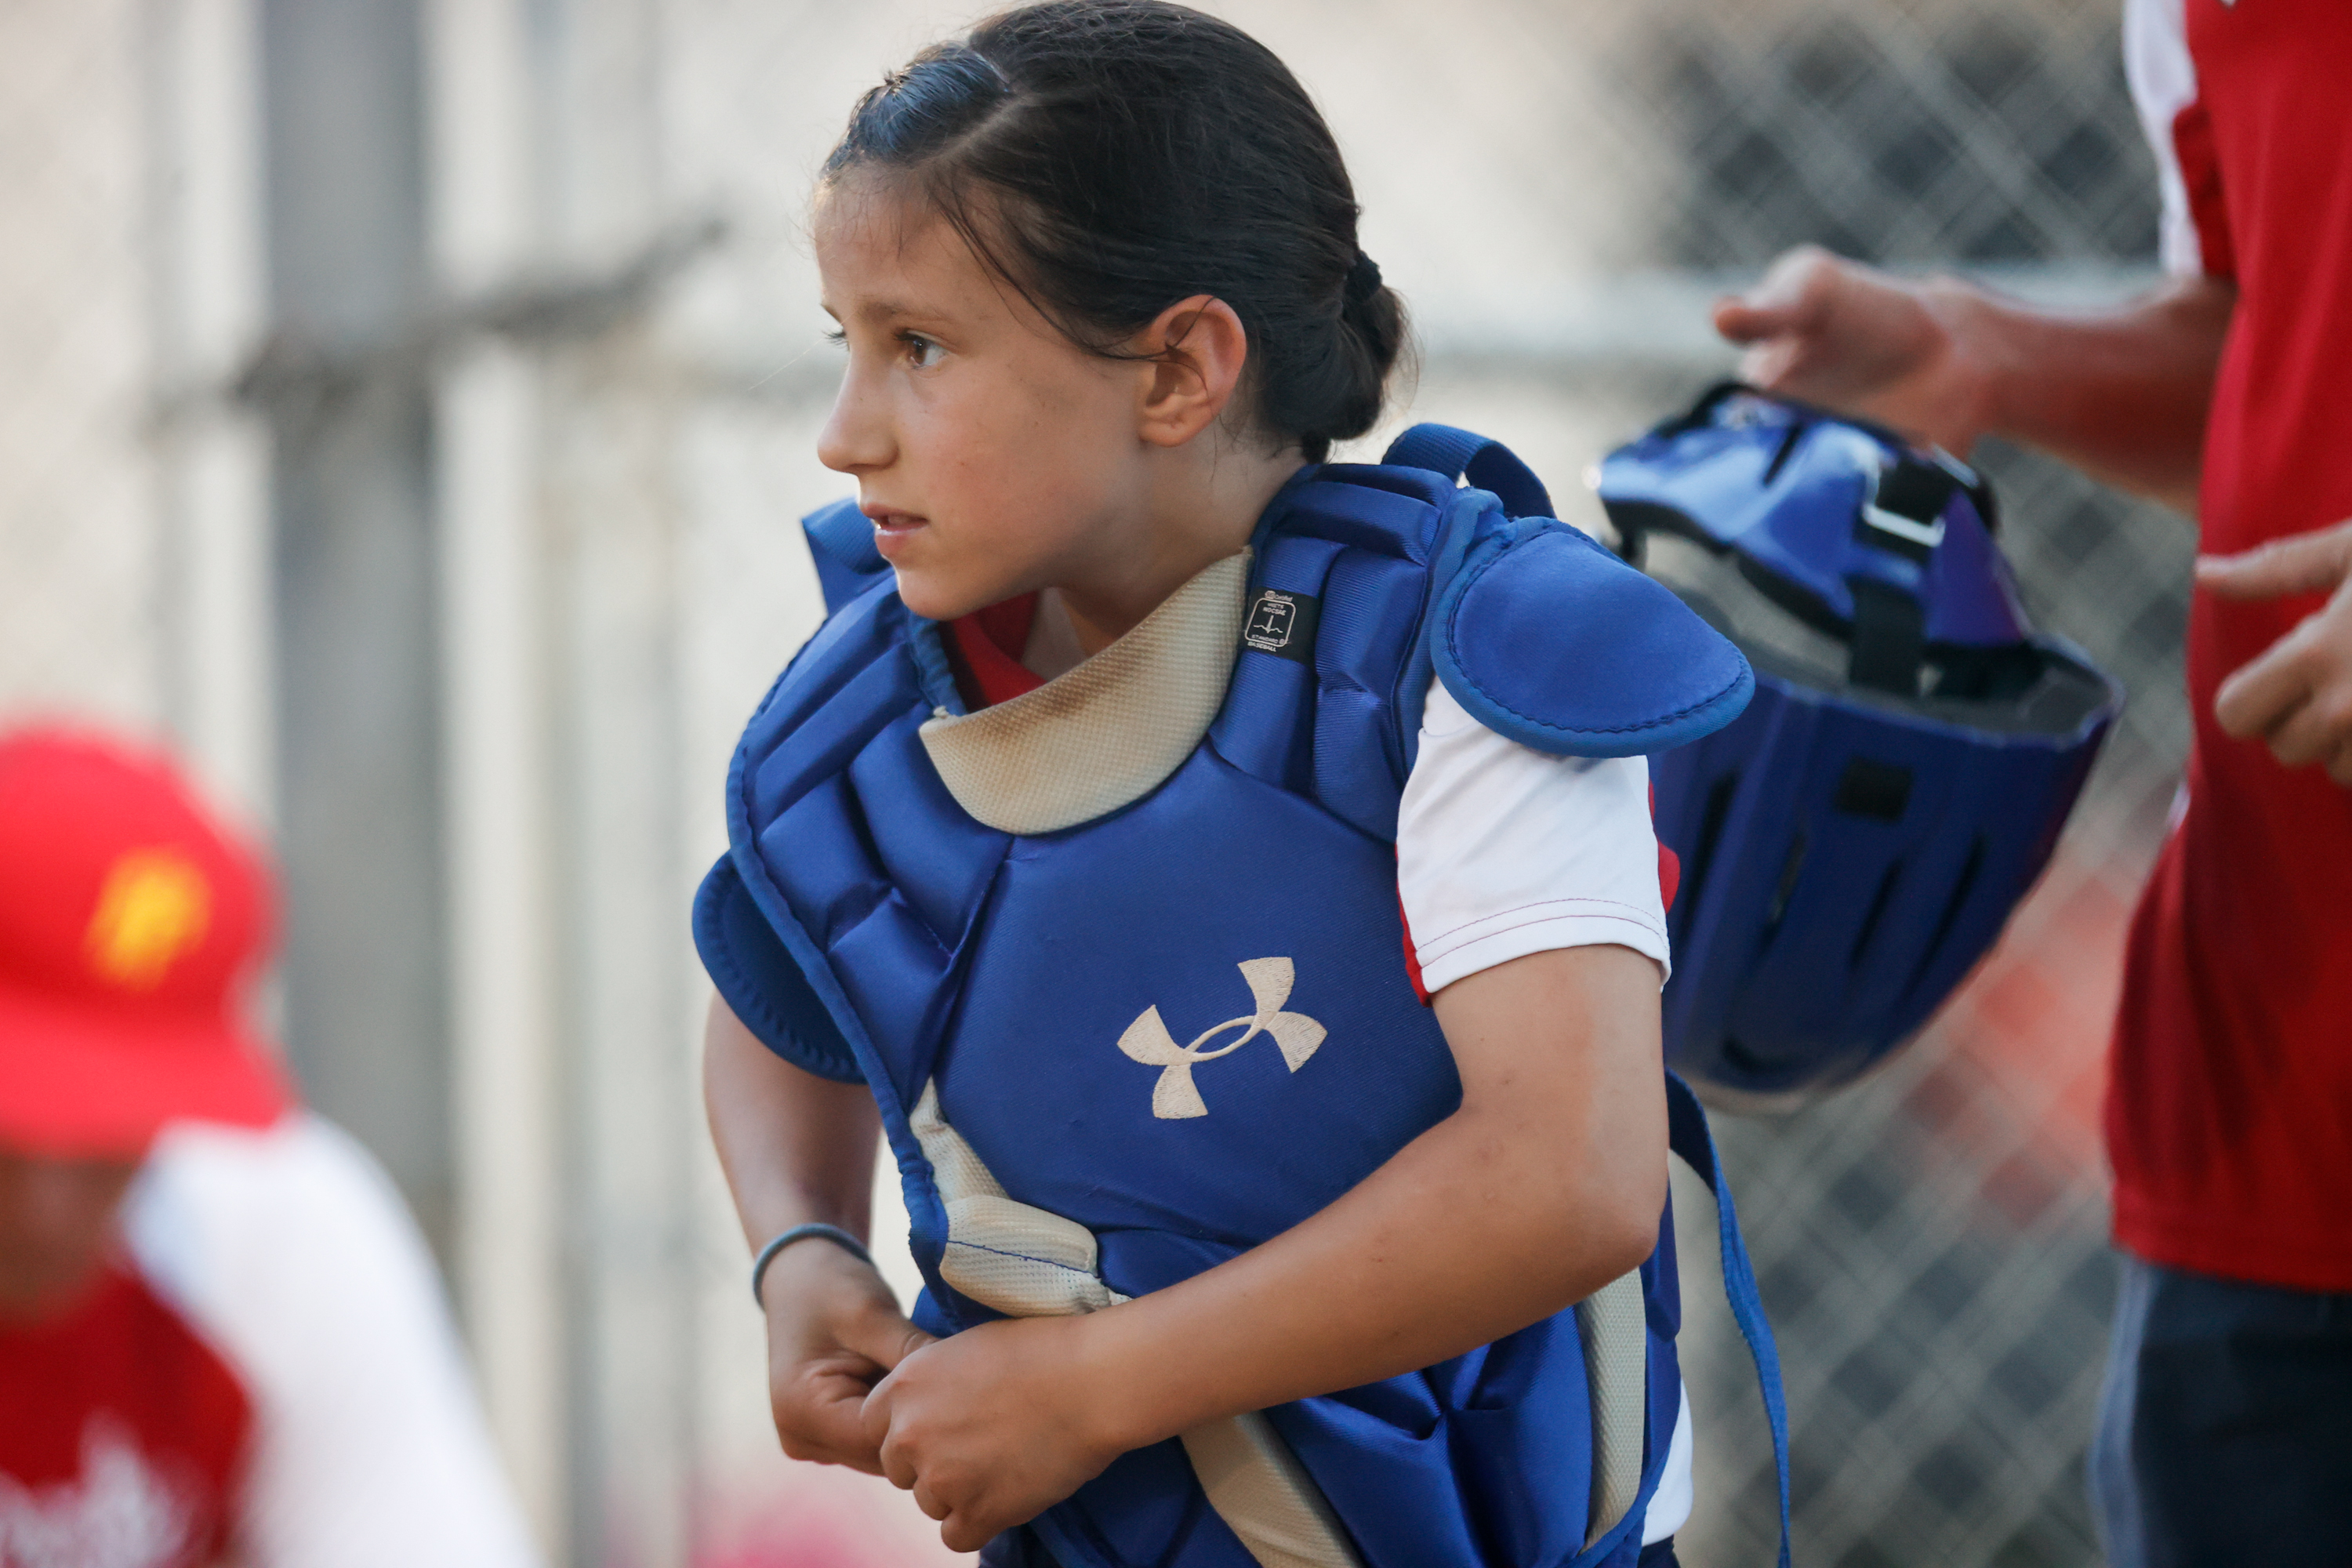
[
  {"x": 991, "y": 1427},
  {"x": 987, "y": 1429}
]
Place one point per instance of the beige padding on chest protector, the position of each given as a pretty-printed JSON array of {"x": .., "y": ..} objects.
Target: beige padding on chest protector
[
  {"x": 1614, "y": 1324},
  {"x": 1108, "y": 732}
]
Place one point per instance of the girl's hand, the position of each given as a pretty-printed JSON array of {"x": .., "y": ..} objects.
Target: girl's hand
[
  {"x": 834, "y": 1331},
  {"x": 994, "y": 1426}
]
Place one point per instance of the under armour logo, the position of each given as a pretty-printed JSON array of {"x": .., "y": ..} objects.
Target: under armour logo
[{"x": 1147, "y": 1041}]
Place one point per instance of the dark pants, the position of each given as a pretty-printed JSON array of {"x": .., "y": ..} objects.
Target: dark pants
[
  {"x": 2225, "y": 1427},
  {"x": 1019, "y": 1549}
]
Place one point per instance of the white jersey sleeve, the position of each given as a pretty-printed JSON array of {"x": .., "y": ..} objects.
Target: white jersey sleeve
[
  {"x": 2164, "y": 82},
  {"x": 1503, "y": 850},
  {"x": 291, "y": 1251}
]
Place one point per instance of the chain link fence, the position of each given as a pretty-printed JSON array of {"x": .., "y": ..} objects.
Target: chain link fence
[{"x": 1559, "y": 190}]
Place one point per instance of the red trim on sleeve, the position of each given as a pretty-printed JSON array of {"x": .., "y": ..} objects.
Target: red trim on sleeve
[
  {"x": 1669, "y": 865},
  {"x": 1412, "y": 956},
  {"x": 2200, "y": 176},
  {"x": 985, "y": 648}
]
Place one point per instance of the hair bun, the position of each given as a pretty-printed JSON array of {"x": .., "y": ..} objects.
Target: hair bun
[{"x": 1363, "y": 279}]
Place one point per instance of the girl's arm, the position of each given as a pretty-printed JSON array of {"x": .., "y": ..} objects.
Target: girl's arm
[
  {"x": 1545, "y": 1186},
  {"x": 798, "y": 1149}
]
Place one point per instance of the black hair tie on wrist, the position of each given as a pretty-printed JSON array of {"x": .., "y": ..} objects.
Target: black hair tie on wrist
[
  {"x": 1363, "y": 279},
  {"x": 832, "y": 1233}
]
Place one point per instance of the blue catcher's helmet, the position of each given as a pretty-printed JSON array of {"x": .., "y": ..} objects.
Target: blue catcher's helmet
[{"x": 1854, "y": 843}]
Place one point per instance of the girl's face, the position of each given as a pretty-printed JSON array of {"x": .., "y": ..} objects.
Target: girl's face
[{"x": 994, "y": 456}]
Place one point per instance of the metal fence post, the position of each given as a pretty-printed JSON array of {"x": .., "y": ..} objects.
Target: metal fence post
[{"x": 359, "y": 728}]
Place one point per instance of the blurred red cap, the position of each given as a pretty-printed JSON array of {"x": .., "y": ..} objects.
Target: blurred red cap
[{"x": 129, "y": 921}]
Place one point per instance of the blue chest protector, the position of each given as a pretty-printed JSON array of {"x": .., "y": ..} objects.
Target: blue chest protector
[{"x": 1180, "y": 1027}]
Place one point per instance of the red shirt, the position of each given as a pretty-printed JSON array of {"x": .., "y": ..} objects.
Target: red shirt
[
  {"x": 2230, "y": 1114},
  {"x": 123, "y": 1437},
  {"x": 984, "y": 651}
]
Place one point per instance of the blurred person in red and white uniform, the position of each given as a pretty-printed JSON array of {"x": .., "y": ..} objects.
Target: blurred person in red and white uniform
[
  {"x": 2226, "y": 1428},
  {"x": 222, "y": 1341}
]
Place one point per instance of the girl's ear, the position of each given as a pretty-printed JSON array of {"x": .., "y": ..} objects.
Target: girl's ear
[{"x": 1194, "y": 356}]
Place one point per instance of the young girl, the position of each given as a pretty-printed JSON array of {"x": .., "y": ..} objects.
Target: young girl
[{"x": 1072, "y": 854}]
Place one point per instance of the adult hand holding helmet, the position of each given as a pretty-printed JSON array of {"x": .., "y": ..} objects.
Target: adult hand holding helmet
[
  {"x": 2120, "y": 393},
  {"x": 1834, "y": 332}
]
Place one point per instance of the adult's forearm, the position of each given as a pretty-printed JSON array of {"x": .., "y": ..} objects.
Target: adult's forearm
[
  {"x": 797, "y": 1149},
  {"x": 2121, "y": 394}
]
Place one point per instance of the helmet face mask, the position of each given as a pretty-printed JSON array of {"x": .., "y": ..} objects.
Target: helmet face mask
[{"x": 1855, "y": 842}]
